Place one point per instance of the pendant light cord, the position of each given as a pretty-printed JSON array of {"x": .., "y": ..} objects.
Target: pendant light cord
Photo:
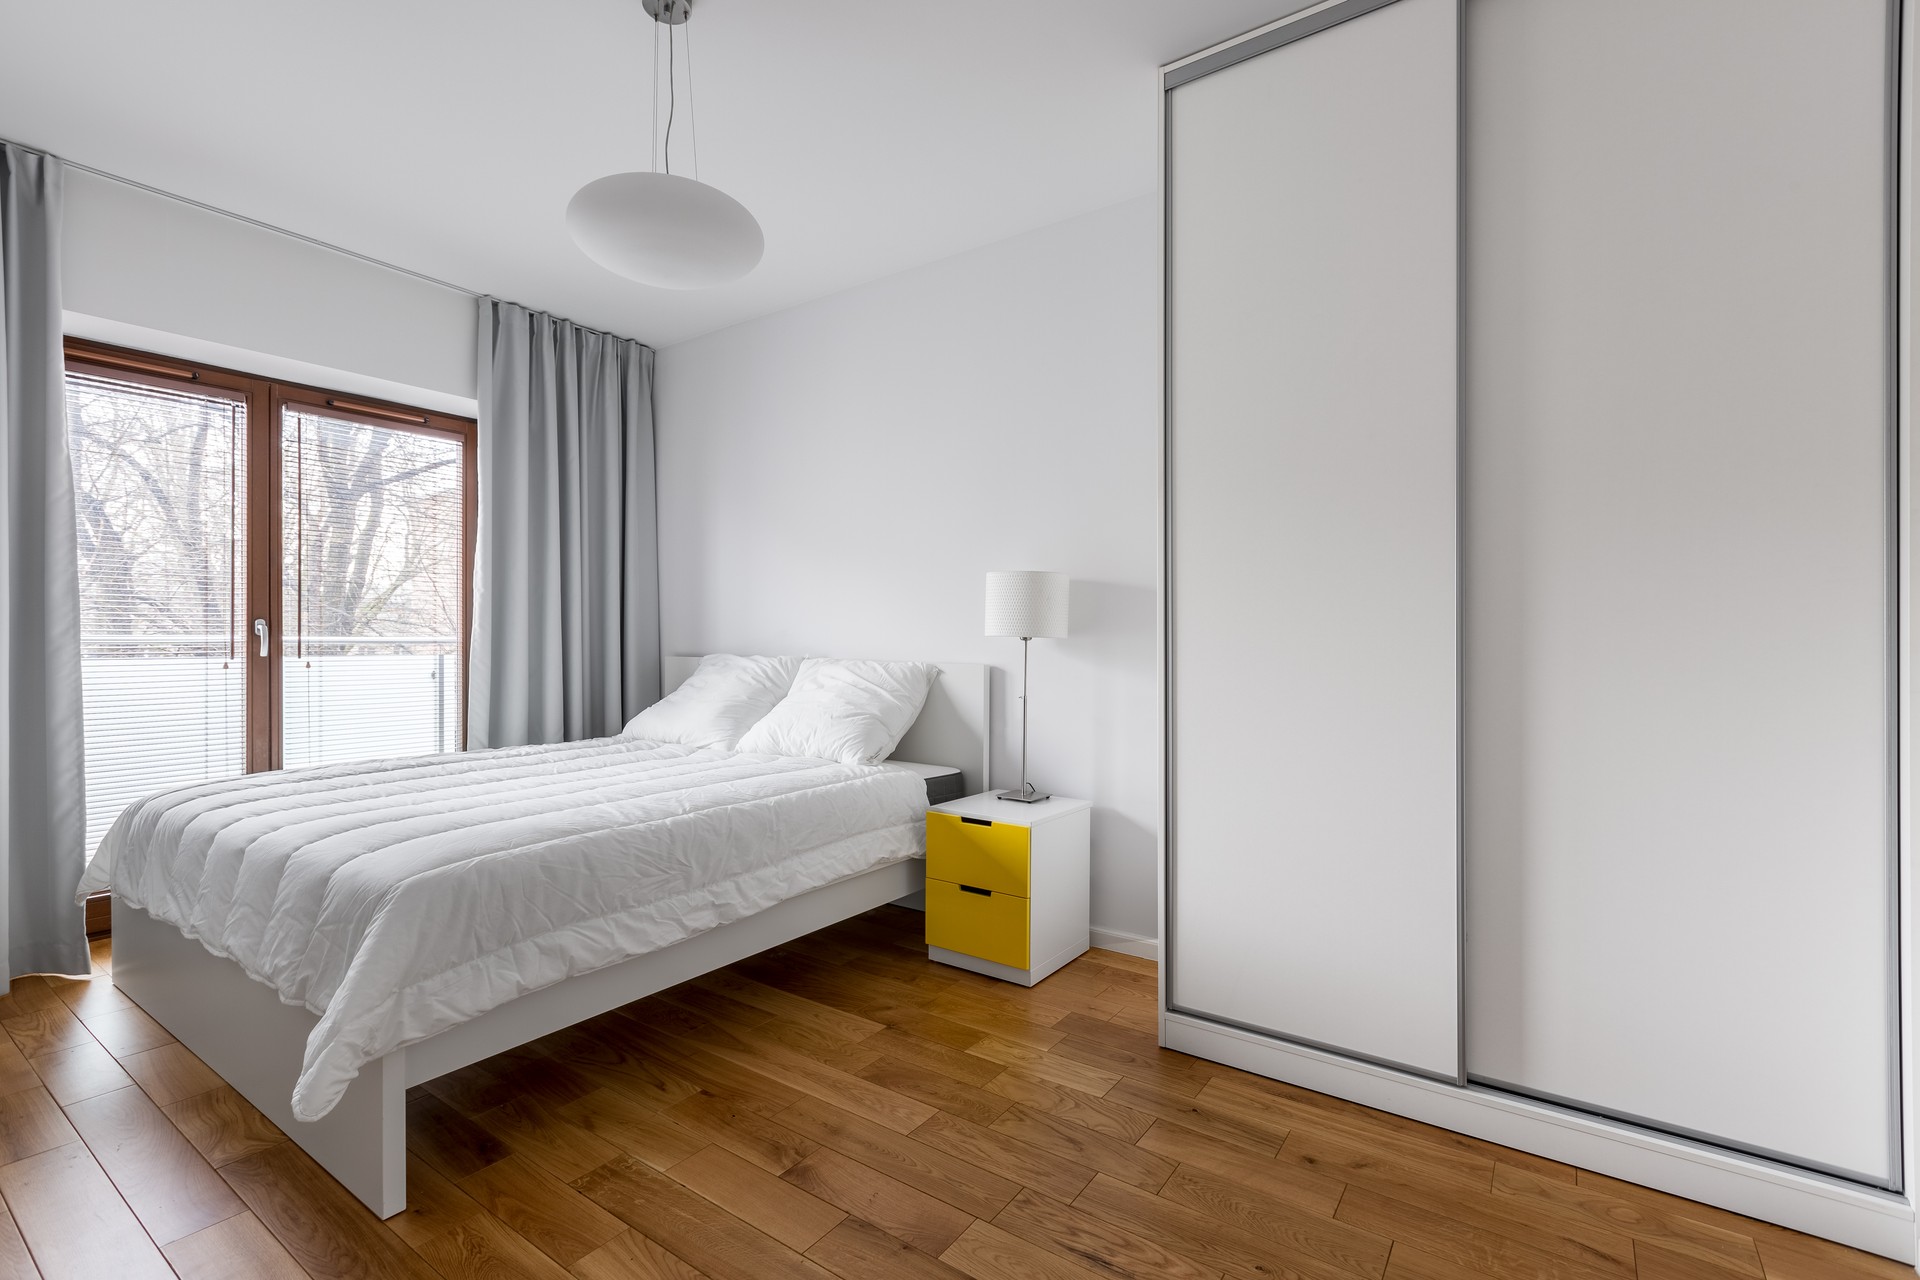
[
  {"x": 693, "y": 116},
  {"x": 671, "y": 99},
  {"x": 653, "y": 131}
]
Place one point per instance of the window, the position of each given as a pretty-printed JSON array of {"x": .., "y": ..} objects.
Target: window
[{"x": 218, "y": 513}]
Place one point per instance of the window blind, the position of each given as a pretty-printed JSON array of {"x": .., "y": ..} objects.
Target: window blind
[
  {"x": 160, "y": 505},
  {"x": 373, "y": 572}
]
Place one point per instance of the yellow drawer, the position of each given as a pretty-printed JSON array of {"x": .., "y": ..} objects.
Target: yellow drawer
[
  {"x": 986, "y": 855},
  {"x": 992, "y": 926}
]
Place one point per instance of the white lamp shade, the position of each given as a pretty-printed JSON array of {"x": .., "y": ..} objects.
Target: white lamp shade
[
  {"x": 1026, "y": 602},
  {"x": 665, "y": 230}
]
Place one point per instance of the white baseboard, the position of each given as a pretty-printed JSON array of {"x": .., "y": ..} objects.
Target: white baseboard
[
  {"x": 1873, "y": 1220},
  {"x": 1127, "y": 944}
]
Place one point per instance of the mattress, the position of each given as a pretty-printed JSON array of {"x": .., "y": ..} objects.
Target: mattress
[{"x": 397, "y": 898}]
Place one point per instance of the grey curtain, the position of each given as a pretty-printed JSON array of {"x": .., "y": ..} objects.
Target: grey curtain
[
  {"x": 566, "y": 600},
  {"x": 43, "y": 803}
]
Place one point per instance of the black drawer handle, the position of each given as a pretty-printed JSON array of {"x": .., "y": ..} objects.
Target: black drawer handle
[
  {"x": 978, "y": 822},
  {"x": 985, "y": 893}
]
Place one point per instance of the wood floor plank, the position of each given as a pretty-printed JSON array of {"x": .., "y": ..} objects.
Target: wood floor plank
[
  {"x": 741, "y": 1130},
  {"x": 76, "y": 1073},
  {"x": 171, "y": 1189},
  {"x": 88, "y": 995},
  {"x": 793, "y": 1008},
  {"x": 1445, "y": 1236},
  {"x": 1788, "y": 1255},
  {"x": 1597, "y": 1243},
  {"x": 691, "y": 1226},
  {"x": 1298, "y": 1231},
  {"x": 828, "y": 1084},
  {"x": 1024, "y": 1163},
  {"x": 1097, "y": 1114},
  {"x": 1194, "y": 1114},
  {"x": 449, "y": 1141},
  {"x": 1652, "y": 1262},
  {"x": 46, "y": 1029},
  {"x": 996, "y": 1021},
  {"x": 1356, "y": 1123},
  {"x": 965, "y": 1186},
  {"x": 1121, "y": 960},
  {"x": 1038, "y": 1062},
  {"x": 911, "y": 1215},
  {"x": 763, "y": 1090},
  {"x": 1064, "y": 1137},
  {"x": 222, "y": 1125},
  {"x": 1670, "y": 1232},
  {"x": 327, "y": 1231},
  {"x": 1409, "y": 1263},
  {"x": 947, "y": 1060},
  {"x": 127, "y": 1030},
  {"x": 631, "y": 1256},
  {"x": 73, "y": 1220},
  {"x": 936, "y": 1089},
  {"x": 15, "y": 1073},
  {"x": 1170, "y": 1071},
  {"x": 16, "y": 1262},
  {"x": 1083, "y": 1237},
  {"x": 484, "y": 1248},
  {"x": 1199, "y": 1236},
  {"x": 617, "y": 1123},
  {"x": 28, "y": 993},
  {"x": 170, "y": 1073},
  {"x": 613, "y": 1053},
  {"x": 549, "y": 1214},
  {"x": 986, "y": 1252},
  {"x": 31, "y": 1122},
  {"x": 1302, "y": 1188},
  {"x": 857, "y": 1250},
  {"x": 784, "y": 1210},
  {"x": 237, "y": 1248},
  {"x": 527, "y": 1128},
  {"x": 822, "y": 1046}
]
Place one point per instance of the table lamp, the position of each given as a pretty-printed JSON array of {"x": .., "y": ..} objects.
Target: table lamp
[{"x": 1026, "y": 603}]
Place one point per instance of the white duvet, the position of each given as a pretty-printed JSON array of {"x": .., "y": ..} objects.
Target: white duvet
[{"x": 398, "y": 898}]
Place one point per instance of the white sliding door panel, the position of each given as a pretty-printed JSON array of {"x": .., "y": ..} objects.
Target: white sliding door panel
[
  {"x": 1312, "y": 326},
  {"x": 1677, "y": 826}
]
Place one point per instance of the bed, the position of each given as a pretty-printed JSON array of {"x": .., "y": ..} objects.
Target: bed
[{"x": 445, "y": 909}]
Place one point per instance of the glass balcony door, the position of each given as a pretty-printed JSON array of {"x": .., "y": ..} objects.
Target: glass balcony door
[{"x": 271, "y": 576}]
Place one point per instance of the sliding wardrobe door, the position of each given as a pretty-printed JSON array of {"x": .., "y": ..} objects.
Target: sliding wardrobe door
[
  {"x": 1312, "y": 312},
  {"x": 1678, "y": 869}
]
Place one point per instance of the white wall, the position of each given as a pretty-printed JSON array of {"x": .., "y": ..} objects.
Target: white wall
[
  {"x": 148, "y": 272},
  {"x": 837, "y": 478}
]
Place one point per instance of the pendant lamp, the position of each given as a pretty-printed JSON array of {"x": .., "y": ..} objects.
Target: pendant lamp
[{"x": 664, "y": 228}]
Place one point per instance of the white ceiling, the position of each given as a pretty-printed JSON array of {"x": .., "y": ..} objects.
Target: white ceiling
[{"x": 447, "y": 135}]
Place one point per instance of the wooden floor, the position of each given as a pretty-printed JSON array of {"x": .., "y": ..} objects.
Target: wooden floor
[{"x": 837, "y": 1107}]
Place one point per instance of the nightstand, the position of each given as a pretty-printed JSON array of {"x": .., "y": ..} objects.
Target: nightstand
[{"x": 1007, "y": 885}]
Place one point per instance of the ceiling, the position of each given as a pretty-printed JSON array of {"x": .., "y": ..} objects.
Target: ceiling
[{"x": 448, "y": 135}]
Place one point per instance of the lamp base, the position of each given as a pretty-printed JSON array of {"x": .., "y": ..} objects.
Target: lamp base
[{"x": 1025, "y": 795}]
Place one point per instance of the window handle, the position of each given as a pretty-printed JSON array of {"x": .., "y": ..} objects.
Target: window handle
[{"x": 260, "y": 629}]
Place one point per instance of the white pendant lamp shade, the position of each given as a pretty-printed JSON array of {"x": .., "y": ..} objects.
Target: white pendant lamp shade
[
  {"x": 1026, "y": 603},
  {"x": 665, "y": 230}
]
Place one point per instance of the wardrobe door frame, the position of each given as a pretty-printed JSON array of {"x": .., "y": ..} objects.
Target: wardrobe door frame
[
  {"x": 1296, "y": 27},
  {"x": 1879, "y": 1220}
]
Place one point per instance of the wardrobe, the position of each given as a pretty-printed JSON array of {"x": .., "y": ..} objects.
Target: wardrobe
[{"x": 1533, "y": 608}]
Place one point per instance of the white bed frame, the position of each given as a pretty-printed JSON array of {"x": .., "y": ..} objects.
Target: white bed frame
[{"x": 240, "y": 1028}]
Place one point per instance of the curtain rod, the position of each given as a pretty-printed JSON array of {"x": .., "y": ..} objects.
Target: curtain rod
[{"x": 369, "y": 259}]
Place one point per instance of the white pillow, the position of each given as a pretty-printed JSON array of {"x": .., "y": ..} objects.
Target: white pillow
[
  {"x": 724, "y": 697},
  {"x": 848, "y": 709}
]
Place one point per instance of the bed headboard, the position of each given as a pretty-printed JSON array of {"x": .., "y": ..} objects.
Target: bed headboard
[{"x": 952, "y": 728}]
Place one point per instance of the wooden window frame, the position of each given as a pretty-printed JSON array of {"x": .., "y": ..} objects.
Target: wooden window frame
[{"x": 264, "y": 399}]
